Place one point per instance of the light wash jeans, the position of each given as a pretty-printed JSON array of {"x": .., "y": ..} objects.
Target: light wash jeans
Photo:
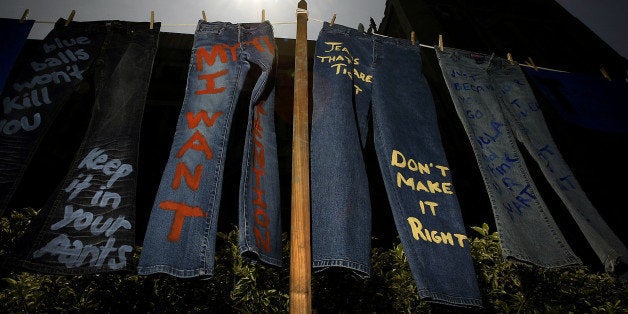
[{"x": 496, "y": 107}]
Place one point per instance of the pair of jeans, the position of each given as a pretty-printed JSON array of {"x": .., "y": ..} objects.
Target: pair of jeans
[
  {"x": 87, "y": 225},
  {"x": 358, "y": 76},
  {"x": 496, "y": 107},
  {"x": 13, "y": 35},
  {"x": 227, "y": 60},
  {"x": 35, "y": 94},
  {"x": 585, "y": 100}
]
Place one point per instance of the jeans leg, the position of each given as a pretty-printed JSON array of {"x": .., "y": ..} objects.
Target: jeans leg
[
  {"x": 260, "y": 212},
  {"x": 340, "y": 201}
]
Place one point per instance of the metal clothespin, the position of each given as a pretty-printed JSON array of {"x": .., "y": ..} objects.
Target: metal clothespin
[
  {"x": 70, "y": 18},
  {"x": 440, "y": 42},
  {"x": 204, "y": 16},
  {"x": 531, "y": 63},
  {"x": 24, "y": 16},
  {"x": 510, "y": 59},
  {"x": 605, "y": 74},
  {"x": 333, "y": 19},
  {"x": 152, "y": 19},
  {"x": 413, "y": 37}
]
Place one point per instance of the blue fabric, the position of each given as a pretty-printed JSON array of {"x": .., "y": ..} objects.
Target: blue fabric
[
  {"x": 585, "y": 100},
  {"x": 358, "y": 76},
  {"x": 13, "y": 35},
  {"x": 226, "y": 60}
]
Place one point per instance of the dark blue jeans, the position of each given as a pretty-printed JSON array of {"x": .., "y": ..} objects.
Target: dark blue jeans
[
  {"x": 181, "y": 233},
  {"x": 13, "y": 35},
  {"x": 88, "y": 224},
  {"x": 36, "y": 93},
  {"x": 356, "y": 73},
  {"x": 496, "y": 107}
]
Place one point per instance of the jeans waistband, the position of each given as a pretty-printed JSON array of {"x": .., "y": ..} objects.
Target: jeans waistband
[
  {"x": 475, "y": 59},
  {"x": 338, "y": 29},
  {"x": 219, "y": 27},
  {"x": 108, "y": 25}
]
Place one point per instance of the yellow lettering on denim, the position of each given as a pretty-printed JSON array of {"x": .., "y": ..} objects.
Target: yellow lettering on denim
[
  {"x": 434, "y": 236},
  {"x": 344, "y": 63}
]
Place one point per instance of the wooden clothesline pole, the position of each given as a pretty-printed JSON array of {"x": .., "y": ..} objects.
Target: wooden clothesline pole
[{"x": 300, "y": 249}]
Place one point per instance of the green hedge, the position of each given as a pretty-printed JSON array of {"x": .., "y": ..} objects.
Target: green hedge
[{"x": 241, "y": 286}]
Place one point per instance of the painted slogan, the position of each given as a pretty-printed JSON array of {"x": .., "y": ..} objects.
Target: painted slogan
[
  {"x": 86, "y": 234},
  {"x": 58, "y": 66},
  {"x": 31, "y": 100},
  {"x": 430, "y": 181},
  {"x": 344, "y": 63}
]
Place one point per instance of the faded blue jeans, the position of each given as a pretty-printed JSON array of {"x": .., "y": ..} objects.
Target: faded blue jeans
[
  {"x": 181, "y": 233},
  {"x": 358, "y": 76},
  {"x": 88, "y": 223},
  {"x": 496, "y": 107}
]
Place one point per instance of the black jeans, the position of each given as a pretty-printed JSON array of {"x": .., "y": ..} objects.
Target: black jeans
[{"x": 87, "y": 225}]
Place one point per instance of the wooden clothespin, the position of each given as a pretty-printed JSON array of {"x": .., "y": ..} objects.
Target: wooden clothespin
[
  {"x": 605, "y": 74},
  {"x": 333, "y": 19},
  {"x": 413, "y": 37},
  {"x": 152, "y": 19},
  {"x": 24, "y": 16},
  {"x": 263, "y": 15},
  {"x": 510, "y": 59},
  {"x": 531, "y": 63},
  {"x": 70, "y": 18},
  {"x": 204, "y": 16},
  {"x": 440, "y": 42}
]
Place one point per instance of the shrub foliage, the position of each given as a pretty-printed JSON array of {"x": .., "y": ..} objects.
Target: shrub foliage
[{"x": 239, "y": 285}]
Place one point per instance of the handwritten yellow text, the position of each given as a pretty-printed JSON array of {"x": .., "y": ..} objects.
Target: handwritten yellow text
[
  {"x": 399, "y": 160},
  {"x": 433, "y": 236}
]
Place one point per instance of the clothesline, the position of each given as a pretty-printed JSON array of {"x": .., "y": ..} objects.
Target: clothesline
[{"x": 300, "y": 11}]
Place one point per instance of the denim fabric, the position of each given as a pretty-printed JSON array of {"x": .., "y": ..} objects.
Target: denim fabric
[
  {"x": 525, "y": 118},
  {"x": 181, "y": 233},
  {"x": 356, "y": 73},
  {"x": 13, "y": 35},
  {"x": 485, "y": 91},
  {"x": 36, "y": 93},
  {"x": 90, "y": 219},
  {"x": 588, "y": 101}
]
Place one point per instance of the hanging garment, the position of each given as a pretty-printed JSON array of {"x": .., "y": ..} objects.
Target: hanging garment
[
  {"x": 356, "y": 73},
  {"x": 584, "y": 100},
  {"x": 13, "y": 35},
  {"x": 496, "y": 106},
  {"x": 226, "y": 60},
  {"x": 88, "y": 224},
  {"x": 36, "y": 94}
]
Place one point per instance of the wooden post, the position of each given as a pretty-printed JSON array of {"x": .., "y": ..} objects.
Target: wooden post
[{"x": 300, "y": 249}]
